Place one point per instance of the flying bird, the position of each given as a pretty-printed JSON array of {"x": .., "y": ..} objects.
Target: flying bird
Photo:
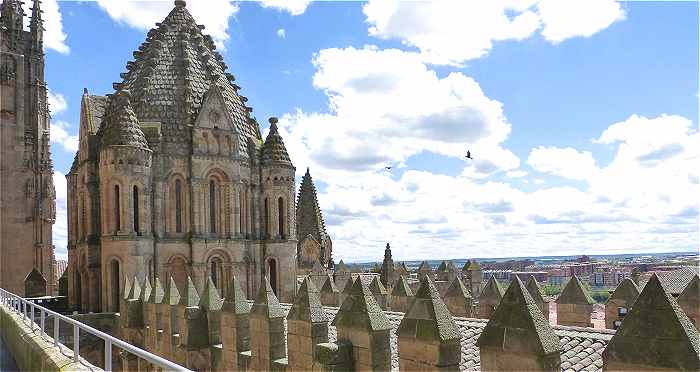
[
  {"x": 387, "y": 168},
  {"x": 469, "y": 155}
]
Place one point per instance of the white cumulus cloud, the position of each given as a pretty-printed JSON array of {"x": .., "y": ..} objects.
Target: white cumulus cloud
[
  {"x": 281, "y": 33},
  {"x": 59, "y": 135},
  {"x": 293, "y": 7},
  {"x": 57, "y": 102},
  {"x": 387, "y": 105},
  {"x": 452, "y": 32},
  {"x": 565, "y": 162},
  {"x": 213, "y": 14},
  {"x": 564, "y": 19}
]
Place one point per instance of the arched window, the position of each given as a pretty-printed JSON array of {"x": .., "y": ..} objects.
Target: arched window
[
  {"x": 114, "y": 298},
  {"x": 117, "y": 210},
  {"x": 241, "y": 213},
  {"x": 137, "y": 229},
  {"x": 178, "y": 206},
  {"x": 272, "y": 274},
  {"x": 212, "y": 206},
  {"x": 267, "y": 218},
  {"x": 216, "y": 271},
  {"x": 83, "y": 216},
  {"x": 280, "y": 217}
]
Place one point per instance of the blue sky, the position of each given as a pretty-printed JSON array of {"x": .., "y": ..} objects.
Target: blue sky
[{"x": 582, "y": 118}]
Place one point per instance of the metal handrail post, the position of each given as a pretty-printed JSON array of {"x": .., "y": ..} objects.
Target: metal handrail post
[
  {"x": 56, "y": 321},
  {"x": 43, "y": 332},
  {"x": 31, "y": 323},
  {"x": 76, "y": 342},
  {"x": 108, "y": 356}
]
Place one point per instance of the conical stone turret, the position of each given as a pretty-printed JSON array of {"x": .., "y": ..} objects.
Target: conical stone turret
[
  {"x": 574, "y": 305},
  {"x": 458, "y": 299},
  {"x": 490, "y": 297},
  {"x": 655, "y": 335},
  {"x": 308, "y": 326},
  {"x": 534, "y": 289},
  {"x": 235, "y": 321},
  {"x": 689, "y": 301},
  {"x": 361, "y": 321},
  {"x": 267, "y": 339},
  {"x": 619, "y": 303},
  {"x": 517, "y": 336},
  {"x": 428, "y": 337}
]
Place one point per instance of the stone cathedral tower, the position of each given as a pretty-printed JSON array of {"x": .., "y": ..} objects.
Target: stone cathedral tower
[
  {"x": 173, "y": 178},
  {"x": 27, "y": 195}
]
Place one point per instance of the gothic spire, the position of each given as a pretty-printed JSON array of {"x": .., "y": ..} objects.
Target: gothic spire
[
  {"x": 12, "y": 15},
  {"x": 36, "y": 27},
  {"x": 309, "y": 217}
]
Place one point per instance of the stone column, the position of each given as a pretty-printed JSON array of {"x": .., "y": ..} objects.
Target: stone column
[
  {"x": 517, "y": 336},
  {"x": 193, "y": 351},
  {"x": 307, "y": 326},
  {"x": 131, "y": 319},
  {"x": 574, "y": 305},
  {"x": 656, "y": 335},
  {"x": 235, "y": 330},
  {"x": 166, "y": 340},
  {"x": 458, "y": 299},
  {"x": 428, "y": 337},
  {"x": 401, "y": 295},
  {"x": 329, "y": 292},
  {"x": 154, "y": 316},
  {"x": 94, "y": 285},
  {"x": 362, "y": 322},
  {"x": 267, "y": 341}
]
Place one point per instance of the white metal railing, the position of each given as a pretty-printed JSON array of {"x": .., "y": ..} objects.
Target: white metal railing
[{"x": 20, "y": 305}]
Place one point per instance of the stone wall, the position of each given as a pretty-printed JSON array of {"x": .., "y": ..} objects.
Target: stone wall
[{"x": 32, "y": 350}]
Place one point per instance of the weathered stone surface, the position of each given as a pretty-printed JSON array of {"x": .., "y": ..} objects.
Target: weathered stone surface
[
  {"x": 518, "y": 329},
  {"x": 655, "y": 334},
  {"x": 490, "y": 297},
  {"x": 267, "y": 334},
  {"x": 574, "y": 293},
  {"x": 689, "y": 301},
  {"x": 34, "y": 284},
  {"x": 311, "y": 226},
  {"x": 424, "y": 269},
  {"x": 534, "y": 289},
  {"x": 27, "y": 193},
  {"x": 574, "y": 305},
  {"x": 189, "y": 296},
  {"x": 458, "y": 299},
  {"x": 307, "y": 304},
  {"x": 266, "y": 303},
  {"x": 360, "y": 310},
  {"x": 623, "y": 297}
]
